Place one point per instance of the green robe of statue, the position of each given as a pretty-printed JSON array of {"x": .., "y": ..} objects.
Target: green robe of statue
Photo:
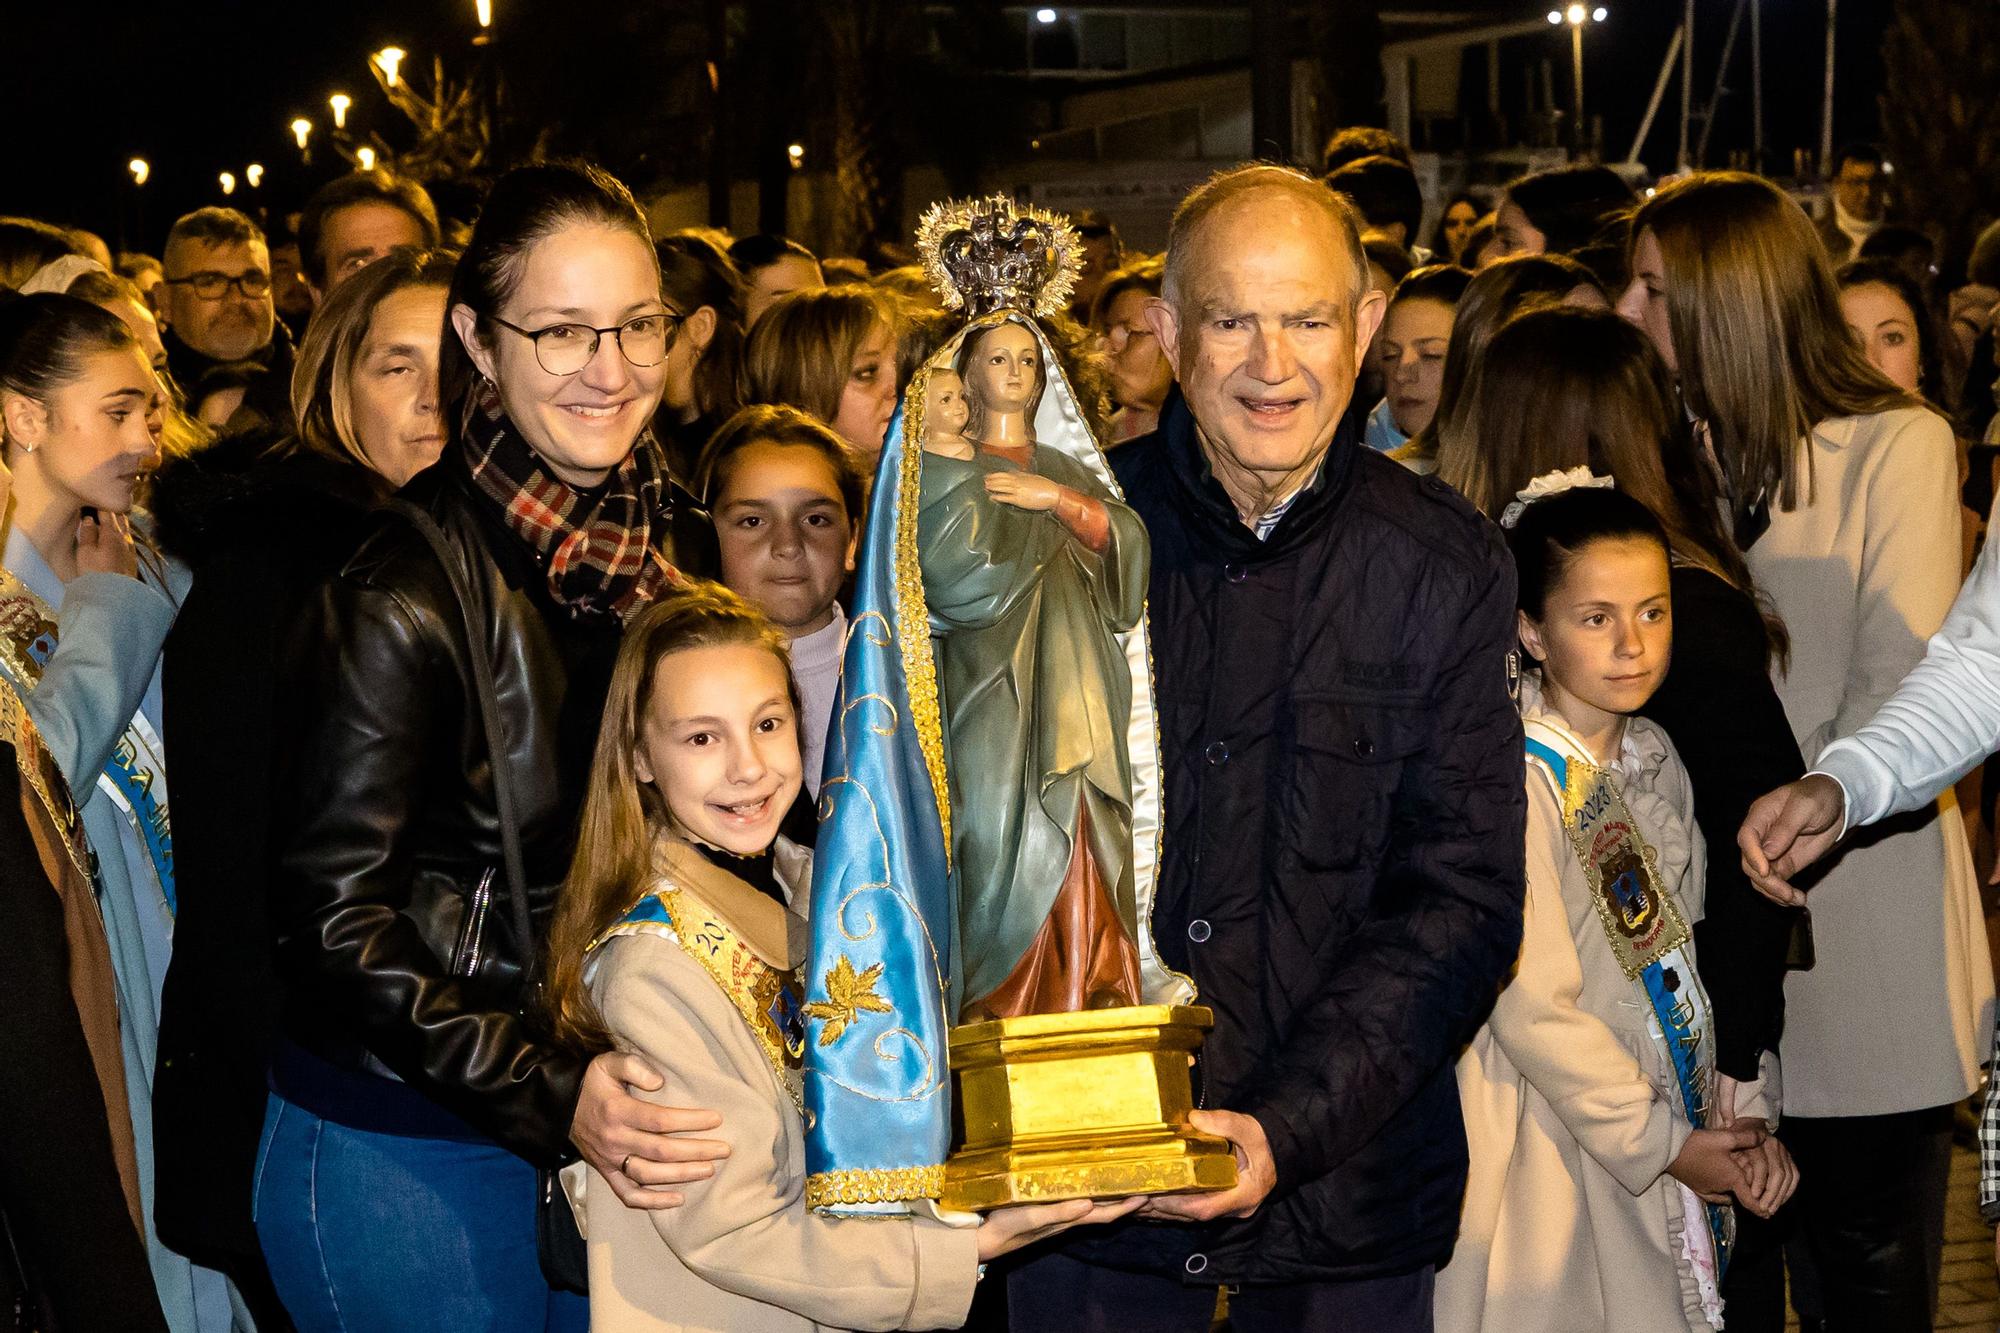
[{"x": 1035, "y": 693}]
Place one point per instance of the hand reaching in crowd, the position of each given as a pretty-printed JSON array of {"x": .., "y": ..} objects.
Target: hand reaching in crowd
[
  {"x": 1005, "y": 1230},
  {"x": 104, "y": 545},
  {"x": 636, "y": 1146},
  {"x": 1786, "y": 831}
]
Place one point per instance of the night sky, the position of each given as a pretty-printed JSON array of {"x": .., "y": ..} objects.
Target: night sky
[{"x": 198, "y": 88}]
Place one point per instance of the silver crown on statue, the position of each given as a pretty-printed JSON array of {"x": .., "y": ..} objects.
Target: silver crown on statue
[{"x": 983, "y": 255}]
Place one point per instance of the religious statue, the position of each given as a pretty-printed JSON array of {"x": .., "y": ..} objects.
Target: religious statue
[
  {"x": 990, "y": 804},
  {"x": 1031, "y": 570}
]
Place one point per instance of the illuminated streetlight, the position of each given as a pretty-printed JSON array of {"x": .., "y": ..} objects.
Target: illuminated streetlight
[
  {"x": 485, "y": 10},
  {"x": 389, "y": 59},
  {"x": 1045, "y": 16},
  {"x": 140, "y": 169},
  {"x": 796, "y": 152},
  {"x": 301, "y": 128},
  {"x": 228, "y": 179},
  {"x": 364, "y": 158},
  {"x": 340, "y": 102},
  {"x": 254, "y": 173},
  {"x": 1576, "y": 16}
]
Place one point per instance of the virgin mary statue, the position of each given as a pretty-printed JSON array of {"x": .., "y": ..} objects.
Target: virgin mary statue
[{"x": 991, "y": 799}]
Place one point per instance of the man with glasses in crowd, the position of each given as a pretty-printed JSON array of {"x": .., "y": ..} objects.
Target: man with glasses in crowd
[{"x": 218, "y": 312}]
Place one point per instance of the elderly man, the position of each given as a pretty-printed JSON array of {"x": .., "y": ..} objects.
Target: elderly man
[
  {"x": 1343, "y": 873},
  {"x": 218, "y": 313}
]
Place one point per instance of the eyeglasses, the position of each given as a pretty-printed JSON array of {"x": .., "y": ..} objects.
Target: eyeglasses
[
  {"x": 210, "y": 285},
  {"x": 1119, "y": 335},
  {"x": 564, "y": 349}
]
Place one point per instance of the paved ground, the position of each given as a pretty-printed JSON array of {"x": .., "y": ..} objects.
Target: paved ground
[{"x": 1968, "y": 1296}]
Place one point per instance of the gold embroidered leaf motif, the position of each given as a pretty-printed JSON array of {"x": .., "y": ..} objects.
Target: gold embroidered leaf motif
[{"x": 849, "y": 994}]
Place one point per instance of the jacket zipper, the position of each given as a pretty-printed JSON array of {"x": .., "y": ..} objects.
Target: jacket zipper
[{"x": 474, "y": 936}]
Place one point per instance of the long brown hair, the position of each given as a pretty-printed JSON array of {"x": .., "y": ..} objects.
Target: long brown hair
[
  {"x": 621, "y": 814},
  {"x": 1494, "y": 295},
  {"x": 1763, "y": 352},
  {"x": 1564, "y": 387},
  {"x": 801, "y": 352}
]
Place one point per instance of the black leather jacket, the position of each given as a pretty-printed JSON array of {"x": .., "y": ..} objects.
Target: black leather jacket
[{"x": 394, "y": 935}]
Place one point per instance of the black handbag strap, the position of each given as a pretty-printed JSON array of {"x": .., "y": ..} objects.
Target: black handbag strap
[{"x": 489, "y": 713}]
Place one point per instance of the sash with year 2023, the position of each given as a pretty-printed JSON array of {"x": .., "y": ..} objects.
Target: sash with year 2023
[{"x": 1649, "y": 936}]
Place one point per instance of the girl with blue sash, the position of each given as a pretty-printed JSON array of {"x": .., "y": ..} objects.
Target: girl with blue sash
[
  {"x": 680, "y": 936},
  {"x": 1601, "y": 1184},
  {"x": 82, "y": 619}
]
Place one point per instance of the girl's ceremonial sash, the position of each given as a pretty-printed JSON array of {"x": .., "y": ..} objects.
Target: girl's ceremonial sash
[
  {"x": 1650, "y": 938},
  {"x": 135, "y": 777},
  {"x": 768, "y": 998}
]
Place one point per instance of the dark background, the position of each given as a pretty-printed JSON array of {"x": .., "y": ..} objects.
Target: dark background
[{"x": 198, "y": 88}]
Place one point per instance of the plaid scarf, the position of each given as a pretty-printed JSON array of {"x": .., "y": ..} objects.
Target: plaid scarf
[{"x": 597, "y": 550}]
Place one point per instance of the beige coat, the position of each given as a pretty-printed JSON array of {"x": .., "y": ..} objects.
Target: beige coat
[
  {"x": 1572, "y": 1112},
  {"x": 744, "y": 1252},
  {"x": 1893, "y": 1016}
]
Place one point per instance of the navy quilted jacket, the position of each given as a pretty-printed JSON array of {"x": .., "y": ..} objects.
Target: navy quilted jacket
[{"x": 1343, "y": 855}]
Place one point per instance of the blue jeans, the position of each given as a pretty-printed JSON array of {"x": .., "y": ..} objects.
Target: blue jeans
[{"x": 377, "y": 1233}]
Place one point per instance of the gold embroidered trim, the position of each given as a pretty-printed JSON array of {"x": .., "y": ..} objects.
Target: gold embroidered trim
[
  {"x": 913, "y": 616},
  {"x": 751, "y": 984},
  {"x": 42, "y": 777},
  {"x": 824, "y": 1189}
]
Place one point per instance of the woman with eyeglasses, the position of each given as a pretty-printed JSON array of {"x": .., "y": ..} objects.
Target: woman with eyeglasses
[
  {"x": 1141, "y": 376},
  {"x": 413, "y": 1098}
]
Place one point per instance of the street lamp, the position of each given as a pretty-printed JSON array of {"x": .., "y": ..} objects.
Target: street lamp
[
  {"x": 388, "y": 60},
  {"x": 1576, "y": 16},
  {"x": 484, "y": 8},
  {"x": 364, "y": 158},
  {"x": 340, "y": 102},
  {"x": 254, "y": 173},
  {"x": 301, "y": 130},
  {"x": 1045, "y": 16},
  {"x": 140, "y": 169},
  {"x": 228, "y": 179},
  {"x": 797, "y": 153}
]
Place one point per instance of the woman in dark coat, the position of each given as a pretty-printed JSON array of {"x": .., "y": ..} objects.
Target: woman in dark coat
[{"x": 262, "y": 520}]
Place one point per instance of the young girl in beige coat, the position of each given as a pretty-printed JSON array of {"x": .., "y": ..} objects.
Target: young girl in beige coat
[
  {"x": 678, "y": 937},
  {"x": 1599, "y": 1191}
]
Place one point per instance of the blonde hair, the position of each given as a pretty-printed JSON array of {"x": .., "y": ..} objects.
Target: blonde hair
[
  {"x": 1763, "y": 351},
  {"x": 621, "y": 814},
  {"x": 801, "y": 352},
  {"x": 322, "y": 394}
]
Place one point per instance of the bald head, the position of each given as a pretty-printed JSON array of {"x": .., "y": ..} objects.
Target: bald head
[
  {"x": 1265, "y": 313},
  {"x": 1230, "y": 210}
]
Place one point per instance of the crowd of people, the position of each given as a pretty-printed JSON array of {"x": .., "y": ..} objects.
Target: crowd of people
[{"x": 470, "y": 580}]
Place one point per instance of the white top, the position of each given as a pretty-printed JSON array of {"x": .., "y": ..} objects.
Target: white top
[
  {"x": 816, "y": 670},
  {"x": 1943, "y": 719}
]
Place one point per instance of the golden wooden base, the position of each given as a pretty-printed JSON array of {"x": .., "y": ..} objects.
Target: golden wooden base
[{"x": 1084, "y": 1105}]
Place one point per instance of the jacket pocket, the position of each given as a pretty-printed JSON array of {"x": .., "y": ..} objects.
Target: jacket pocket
[
  {"x": 1348, "y": 762},
  {"x": 470, "y": 950}
]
